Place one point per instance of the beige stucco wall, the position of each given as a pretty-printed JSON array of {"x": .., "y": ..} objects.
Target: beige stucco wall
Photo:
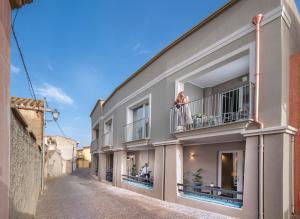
[
  {"x": 5, "y": 20},
  {"x": 35, "y": 121},
  {"x": 54, "y": 165},
  {"x": 206, "y": 157}
]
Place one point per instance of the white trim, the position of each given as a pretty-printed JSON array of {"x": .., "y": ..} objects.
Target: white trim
[
  {"x": 286, "y": 17},
  {"x": 268, "y": 17},
  {"x": 270, "y": 130},
  {"x": 96, "y": 123},
  {"x": 233, "y": 131},
  {"x": 247, "y": 47},
  {"x": 165, "y": 143},
  {"x": 213, "y": 142},
  {"x": 219, "y": 178},
  {"x": 136, "y": 103},
  {"x": 112, "y": 123}
]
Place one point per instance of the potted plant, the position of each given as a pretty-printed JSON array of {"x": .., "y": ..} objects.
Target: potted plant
[
  {"x": 197, "y": 177},
  {"x": 197, "y": 120},
  {"x": 133, "y": 170}
]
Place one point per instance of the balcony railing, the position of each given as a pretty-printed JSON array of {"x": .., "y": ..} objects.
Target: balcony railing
[
  {"x": 136, "y": 180},
  {"x": 137, "y": 130},
  {"x": 214, "y": 194},
  {"x": 107, "y": 139},
  {"x": 94, "y": 145},
  {"x": 221, "y": 108}
]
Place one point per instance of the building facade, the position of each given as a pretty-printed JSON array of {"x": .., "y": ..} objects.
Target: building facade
[
  {"x": 231, "y": 146},
  {"x": 83, "y": 157},
  {"x": 6, "y": 6},
  {"x": 66, "y": 154}
]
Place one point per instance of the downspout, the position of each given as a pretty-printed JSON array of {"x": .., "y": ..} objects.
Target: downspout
[{"x": 257, "y": 21}]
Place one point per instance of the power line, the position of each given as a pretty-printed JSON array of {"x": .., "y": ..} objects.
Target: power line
[
  {"x": 62, "y": 132},
  {"x": 31, "y": 90},
  {"x": 17, "y": 12},
  {"x": 58, "y": 125}
]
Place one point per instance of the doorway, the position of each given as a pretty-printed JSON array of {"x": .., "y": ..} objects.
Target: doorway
[{"x": 231, "y": 171}]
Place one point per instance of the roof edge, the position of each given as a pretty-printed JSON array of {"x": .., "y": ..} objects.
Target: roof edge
[
  {"x": 173, "y": 44},
  {"x": 95, "y": 106}
]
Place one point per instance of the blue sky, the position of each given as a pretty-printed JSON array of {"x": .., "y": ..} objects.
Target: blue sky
[{"x": 79, "y": 51}]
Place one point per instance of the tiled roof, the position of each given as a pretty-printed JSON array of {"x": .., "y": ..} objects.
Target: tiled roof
[
  {"x": 28, "y": 103},
  {"x": 19, "y": 3}
]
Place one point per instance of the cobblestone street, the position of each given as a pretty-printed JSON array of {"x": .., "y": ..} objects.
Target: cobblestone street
[{"x": 81, "y": 196}]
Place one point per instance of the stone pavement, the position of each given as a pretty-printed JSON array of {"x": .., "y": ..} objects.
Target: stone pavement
[{"x": 81, "y": 196}]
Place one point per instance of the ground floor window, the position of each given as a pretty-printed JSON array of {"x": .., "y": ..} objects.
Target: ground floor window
[
  {"x": 214, "y": 173},
  {"x": 140, "y": 168}
]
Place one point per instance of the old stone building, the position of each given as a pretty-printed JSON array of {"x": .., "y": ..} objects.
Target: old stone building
[
  {"x": 25, "y": 156},
  {"x": 65, "y": 151}
]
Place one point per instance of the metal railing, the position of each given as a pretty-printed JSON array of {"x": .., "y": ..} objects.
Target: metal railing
[
  {"x": 139, "y": 180},
  {"x": 107, "y": 139},
  {"x": 137, "y": 130},
  {"x": 224, "y": 107},
  {"x": 94, "y": 145},
  {"x": 216, "y": 193}
]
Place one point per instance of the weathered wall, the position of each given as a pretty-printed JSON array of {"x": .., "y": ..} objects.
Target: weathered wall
[
  {"x": 67, "y": 148},
  {"x": 25, "y": 171},
  {"x": 54, "y": 165},
  {"x": 35, "y": 120},
  {"x": 5, "y": 19}
]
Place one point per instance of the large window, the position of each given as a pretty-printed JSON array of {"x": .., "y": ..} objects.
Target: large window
[
  {"x": 140, "y": 124},
  {"x": 138, "y": 121},
  {"x": 108, "y": 132}
]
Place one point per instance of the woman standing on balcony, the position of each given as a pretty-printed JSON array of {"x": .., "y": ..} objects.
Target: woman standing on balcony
[{"x": 184, "y": 117}]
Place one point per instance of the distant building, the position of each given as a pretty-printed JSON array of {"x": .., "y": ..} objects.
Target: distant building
[
  {"x": 66, "y": 148},
  {"x": 83, "y": 157}
]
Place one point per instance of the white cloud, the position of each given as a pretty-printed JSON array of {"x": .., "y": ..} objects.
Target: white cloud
[
  {"x": 50, "y": 67},
  {"x": 77, "y": 118},
  {"x": 14, "y": 69},
  {"x": 143, "y": 52},
  {"x": 136, "y": 46},
  {"x": 138, "y": 49},
  {"x": 54, "y": 93}
]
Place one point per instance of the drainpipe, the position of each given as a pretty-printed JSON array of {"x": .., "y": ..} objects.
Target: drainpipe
[{"x": 257, "y": 21}]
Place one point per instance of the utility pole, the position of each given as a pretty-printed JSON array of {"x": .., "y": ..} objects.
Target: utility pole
[{"x": 55, "y": 115}]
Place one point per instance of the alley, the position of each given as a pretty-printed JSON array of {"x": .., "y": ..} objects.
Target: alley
[{"x": 81, "y": 196}]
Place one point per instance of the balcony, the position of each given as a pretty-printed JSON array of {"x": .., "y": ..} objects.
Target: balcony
[
  {"x": 230, "y": 106},
  {"x": 137, "y": 130},
  {"x": 216, "y": 195},
  {"x": 94, "y": 145},
  {"x": 142, "y": 182}
]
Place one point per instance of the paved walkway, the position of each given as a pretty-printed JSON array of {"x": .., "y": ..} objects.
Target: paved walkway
[{"x": 81, "y": 196}]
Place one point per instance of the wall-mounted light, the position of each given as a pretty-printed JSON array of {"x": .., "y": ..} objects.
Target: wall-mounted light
[
  {"x": 192, "y": 156},
  {"x": 245, "y": 79}
]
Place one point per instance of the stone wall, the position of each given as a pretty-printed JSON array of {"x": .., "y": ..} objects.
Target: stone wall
[
  {"x": 25, "y": 169},
  {"x": 54, "y": 164}
]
